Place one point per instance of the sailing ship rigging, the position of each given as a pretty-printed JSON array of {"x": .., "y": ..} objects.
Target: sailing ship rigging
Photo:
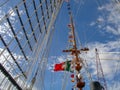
[{"x": 26, "y": 34}]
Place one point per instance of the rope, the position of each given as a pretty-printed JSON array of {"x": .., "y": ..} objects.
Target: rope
[
  {"x": 4, "y": 3},
  {"x": 86, "y": 68},
  {"x": 52, "y": 21},
  {"x": 116, "y": 72},
  {"x": 16, "y": 35},
  {"x": 9, "y": 77},
  {"x": 100, "y": 5},
  {"x": 51, "y": 80},
  {"x": 12, "y": 56},
  {"x": 43, "y": 64},
  {"x": 46, "y": 56},
  {"x": 36, "y": 53},
  {"x": 80, "y": 6},
  {"x": 79, "y": 41},
  {"x": 65, "y": 79}
]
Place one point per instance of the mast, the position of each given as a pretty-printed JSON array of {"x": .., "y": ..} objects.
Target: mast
[{"x": 75, "y": 52}]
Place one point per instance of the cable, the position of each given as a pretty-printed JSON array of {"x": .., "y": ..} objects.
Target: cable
[
  {"x": 45, "y": 57},
  {"x": 65, "y": 79},
  {"x": 80, "y": 6},
  {"x": 77, "y": 37},
  {"x": 51, "y": 22},
  {"x": 100, "y": 73},
  {"x": 86, "y": 68},
  {"x": 4, "y": 3},
  {"x": 9, "y": 77},
  {"x": 43, "y": 64}
]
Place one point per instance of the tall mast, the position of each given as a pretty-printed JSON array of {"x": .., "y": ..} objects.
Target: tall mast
[{"x": 75, "y": 52}]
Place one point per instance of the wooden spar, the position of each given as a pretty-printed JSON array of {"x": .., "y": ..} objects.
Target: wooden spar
[{"x": 74, "y": 40}]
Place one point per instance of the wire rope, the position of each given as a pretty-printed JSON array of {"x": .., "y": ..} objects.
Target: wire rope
[
  {"x": 85, "y": 66},
  {"x": 44, "y": 63},
  {"x": 51, "y": 22},
  {"x": 65, "y": 78},
  {"x": 79, "y": 7},
  {"x": 46, "y": 55},
  {"x": 4, "y": 3},
  {"x": 37, "y": 54},
  {"x": 51, "y": 81},
  {"x": 88, "y": 73}
]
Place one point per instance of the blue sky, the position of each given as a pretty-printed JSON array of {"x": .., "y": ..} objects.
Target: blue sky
[{"x": 96, "y": 26}]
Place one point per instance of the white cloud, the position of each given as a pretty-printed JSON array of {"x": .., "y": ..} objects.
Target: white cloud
[
  {"x": 4, "y": 27},
  {"x": 5, "y": 30},
  {"x": 113, "y": 18},
  {"x": 101, "y": 8},
  {"x": 12, "y": 15},
  {"x": 111, "y": 46},
  {"x": 92, "y": 23},
  {"x": 9, "y": 64},
  {"x": 1, "y": 14},
  {"x": 112, "y": 30},
  {"x": 106, "y": 52},
  {"x": 63, "y": 58},
  {"x": 100, "y": 19},
  {"x": 109, "y": 63},
  {"x": 109, "y": 21}
]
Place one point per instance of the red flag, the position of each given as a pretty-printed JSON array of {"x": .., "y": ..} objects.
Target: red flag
[
  {"x": 63, "y": 66},
  {"x": 59, "y": 67}
]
